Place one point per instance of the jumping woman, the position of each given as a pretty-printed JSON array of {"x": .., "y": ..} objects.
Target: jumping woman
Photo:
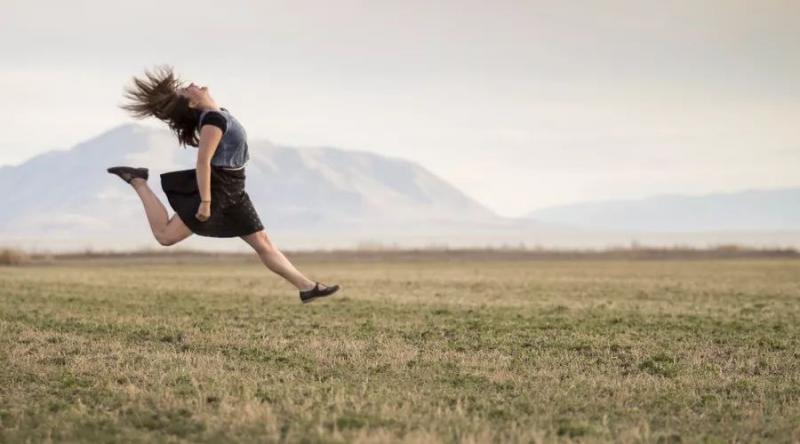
[{"x": 209, "y": 200}]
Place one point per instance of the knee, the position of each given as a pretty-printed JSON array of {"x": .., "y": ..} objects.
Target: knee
[{"x": 164, "y": 240}]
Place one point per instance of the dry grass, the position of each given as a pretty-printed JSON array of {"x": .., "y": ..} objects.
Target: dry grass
[
  {"x": 13, "y": 256},
  {"x": 410, "y": 351}
]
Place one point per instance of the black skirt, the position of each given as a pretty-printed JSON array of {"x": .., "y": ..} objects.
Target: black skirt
[{"x": 232, "y": 212}]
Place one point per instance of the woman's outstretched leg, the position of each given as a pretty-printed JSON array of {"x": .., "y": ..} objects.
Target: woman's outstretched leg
[
  {"x": 166, "y": 231},
  {"x": 276, "y": 261}
]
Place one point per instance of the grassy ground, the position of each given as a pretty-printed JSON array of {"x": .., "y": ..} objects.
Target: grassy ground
[{"x": 415, "y": 351}]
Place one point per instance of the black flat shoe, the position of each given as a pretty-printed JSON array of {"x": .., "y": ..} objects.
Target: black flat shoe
[
  {"x": 307, "y": 296},
  {"x": 128, "y": 173}
]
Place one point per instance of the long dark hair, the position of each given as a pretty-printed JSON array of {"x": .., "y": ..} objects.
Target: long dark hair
[{"x": 155, "y": 95}]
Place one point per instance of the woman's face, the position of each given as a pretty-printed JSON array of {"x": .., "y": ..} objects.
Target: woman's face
[{"x": 196, "y": 95}]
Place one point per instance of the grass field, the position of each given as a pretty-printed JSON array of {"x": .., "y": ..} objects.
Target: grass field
[{"x": 426, "y": 350}]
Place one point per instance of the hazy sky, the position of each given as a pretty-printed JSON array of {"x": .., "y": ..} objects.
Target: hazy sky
[{"x": 521, "y": 104}]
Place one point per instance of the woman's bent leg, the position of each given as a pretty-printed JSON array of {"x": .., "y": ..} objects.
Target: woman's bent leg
[{"x": 166, "y": 231}]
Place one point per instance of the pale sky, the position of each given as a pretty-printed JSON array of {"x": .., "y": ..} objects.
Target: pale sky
[{"x": 520, "y": 104}]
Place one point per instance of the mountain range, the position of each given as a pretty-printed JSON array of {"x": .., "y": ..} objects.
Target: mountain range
[
  {"x": 327, "y": 197},
  {"x": 748, "y": 210}
]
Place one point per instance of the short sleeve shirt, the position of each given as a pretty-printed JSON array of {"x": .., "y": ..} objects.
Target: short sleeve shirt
[
  {"x": 214, "y": 118},
  {"x": 232, "y": 150}
]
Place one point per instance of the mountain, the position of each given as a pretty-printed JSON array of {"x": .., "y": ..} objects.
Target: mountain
[
  {"x": 325, "y": 197},
  {"x": 750, "y": 210},
  {"x": 312, "y": 196}
]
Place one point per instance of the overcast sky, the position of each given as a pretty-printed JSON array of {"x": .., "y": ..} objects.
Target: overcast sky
[{"x": 520, "y": 104}]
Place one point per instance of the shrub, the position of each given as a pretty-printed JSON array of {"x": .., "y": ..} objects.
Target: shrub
[{"x": 13, "y": 256}]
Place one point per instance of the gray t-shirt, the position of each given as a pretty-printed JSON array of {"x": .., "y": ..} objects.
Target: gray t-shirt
[{"x": 232, "y": 150}]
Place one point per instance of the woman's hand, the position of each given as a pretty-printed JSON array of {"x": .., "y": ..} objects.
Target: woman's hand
[{"x": 203, "y": 211}]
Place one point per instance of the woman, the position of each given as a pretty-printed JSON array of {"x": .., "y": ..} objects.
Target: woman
[{"x": 209, "y": 200}]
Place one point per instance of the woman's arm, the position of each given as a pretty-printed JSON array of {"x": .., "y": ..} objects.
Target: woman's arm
[{"x": 210, "y": 136}]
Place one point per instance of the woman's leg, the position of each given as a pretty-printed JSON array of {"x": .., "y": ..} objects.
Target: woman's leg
[
  {"x": 276, "y": 261},
  {"x": 166, "y": 231}
]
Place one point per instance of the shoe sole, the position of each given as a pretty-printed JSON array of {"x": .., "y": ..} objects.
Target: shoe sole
[{"x": 134, "y": 177}]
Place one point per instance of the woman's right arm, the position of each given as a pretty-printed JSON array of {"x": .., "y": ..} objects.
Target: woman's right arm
[{"x": 210, "y": 136}]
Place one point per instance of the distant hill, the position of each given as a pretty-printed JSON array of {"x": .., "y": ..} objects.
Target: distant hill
[
  {"x": 751, "y": 210},
  {"x": 313, "y": 196},
  {"x": 325, "y": 197}
]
